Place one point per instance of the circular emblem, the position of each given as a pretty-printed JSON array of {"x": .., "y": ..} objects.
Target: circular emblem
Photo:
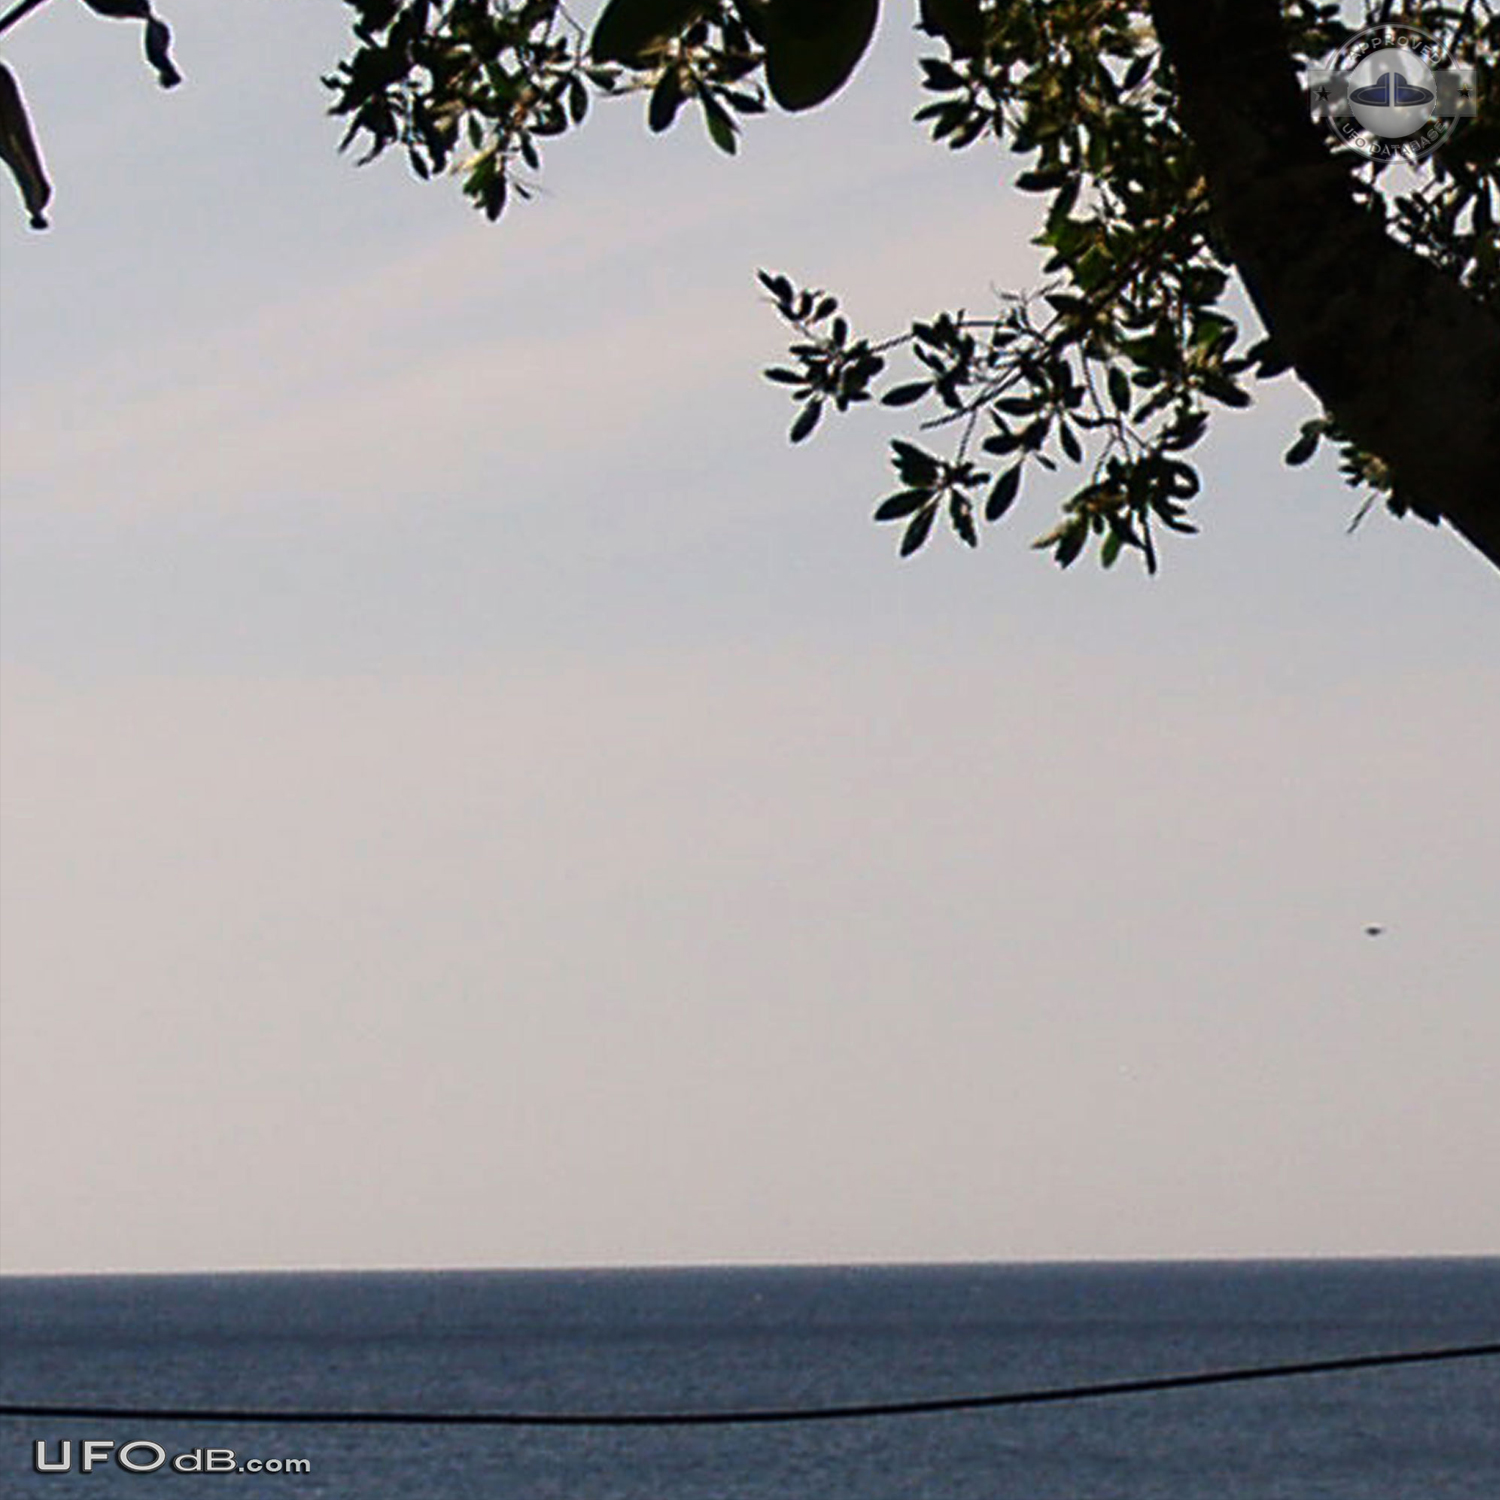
[{"x": 1392, "y": 92}]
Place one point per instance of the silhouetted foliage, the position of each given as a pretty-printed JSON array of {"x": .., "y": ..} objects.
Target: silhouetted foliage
[
  {"x": 1171, "y": 146},
  {"x": 1115, "y": 366}
]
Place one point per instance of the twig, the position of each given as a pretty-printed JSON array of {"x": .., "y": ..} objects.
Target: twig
[{"x": 18, "y": 13}]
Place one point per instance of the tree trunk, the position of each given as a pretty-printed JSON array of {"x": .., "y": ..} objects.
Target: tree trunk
[{"x": 1405, "y": 360}]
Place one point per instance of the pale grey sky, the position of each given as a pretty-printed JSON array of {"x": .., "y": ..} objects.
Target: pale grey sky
[{"x": 472, "y": 796}]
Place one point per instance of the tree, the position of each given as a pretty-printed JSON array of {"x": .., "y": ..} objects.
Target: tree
[{"x": 1175, "y": 150}]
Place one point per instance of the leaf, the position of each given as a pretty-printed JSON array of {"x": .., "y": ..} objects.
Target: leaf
[
  {"x": 630, "y": 29},
  {"x": 902, "y": 503},
  {"x": 1186, "y": 432},
  {"x": 807, "y": 419},
  {"x": 1003, "y": 495},
  {"x": 905, "y": 395},
  {"x": 1135, "y": 74},
  {"x": 959, "y": 22},
  {"x": 1271, "y": 361},
  {"x": 1222, "y": 388},
  {"x": 1119, "y": 388},
  {"x": 1305, "y": 446},
  {"x": 1001, "y": 443},
  {"x": 961, "y": 516},
  {"x": 1171, "y": 514},
  {"x": 1204, "y": 284},
  {"x": 752, "y": 14},
  {"x": 578, "y": 100},
  {"x": 917, "y": 532},
  {"x": 1070, "y": 544},
  {"x": 18, "y": 149},
  {"x": 721, "y": 127},
  {"x": 1042, "y": 180},
  {"x": 914, "y": 465},
  {"x": 812, "y": 46},
  {"x": 1182, "y": 479},
  {"x": 158, "y": 39},
  {"x": 778, "y": 286},
  {"x": 939, "y": 77},
  {"x": 666, "y": 99}
]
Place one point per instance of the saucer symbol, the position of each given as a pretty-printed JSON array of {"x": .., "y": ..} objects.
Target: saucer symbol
[{"x": 1392, "y": 91}]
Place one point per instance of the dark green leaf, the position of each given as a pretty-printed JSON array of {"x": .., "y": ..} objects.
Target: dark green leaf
[
  {"x": 1003, "y": 495},
  {"x": 807, "y": 419},
  {"x": 1070, "y": 544},
  {"x": 1187, "y": 432},
  {"x": 1042, "y": 180},
  {"x": 959, "y": 22},
  {"x": 939, "y": 75},
  {"x": 778, "y": 286},
  {"x": 1182, "y": 478},
  {"x": 905, "y": 395},
  {"x": 961, "y": 517},
  {"x": 1222, "y": 388},
  {"x": 917, "y": 532},
  {"x": 629, "y": 29},
  {"x": 18, "y": 150},
  {"x": 1204, "y": 284},
  {"x": 578, "y": 100},
  {"x": 913, "y": 464},
  {"x": 812, "y": 46},
  {"x": 1135, "y": 74},
  {"x": 1270, "y": 359},
  {"x": 721, "y": 127},
  {"x": 903, "y": 503},
  {"x": 1305, "y": 446},
  {"x": 666, "y": 99}
]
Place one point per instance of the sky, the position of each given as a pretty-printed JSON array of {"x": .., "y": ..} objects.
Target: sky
[{"x": 473, "y": 795}]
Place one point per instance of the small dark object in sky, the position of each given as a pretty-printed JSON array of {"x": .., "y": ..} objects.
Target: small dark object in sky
[{"x": 1374, "y": 931}]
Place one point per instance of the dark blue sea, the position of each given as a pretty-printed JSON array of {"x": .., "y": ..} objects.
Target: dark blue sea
[{"x": 738, "y": 1338}]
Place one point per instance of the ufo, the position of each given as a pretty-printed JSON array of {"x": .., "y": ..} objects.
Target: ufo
[{"x": 1392, "y": 91}]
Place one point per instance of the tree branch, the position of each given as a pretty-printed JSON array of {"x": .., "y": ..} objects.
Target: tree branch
[{"x": 1398, "y": 352}]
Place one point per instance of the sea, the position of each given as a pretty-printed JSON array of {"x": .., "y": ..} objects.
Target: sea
[{"x": 721, "y": 1339}]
